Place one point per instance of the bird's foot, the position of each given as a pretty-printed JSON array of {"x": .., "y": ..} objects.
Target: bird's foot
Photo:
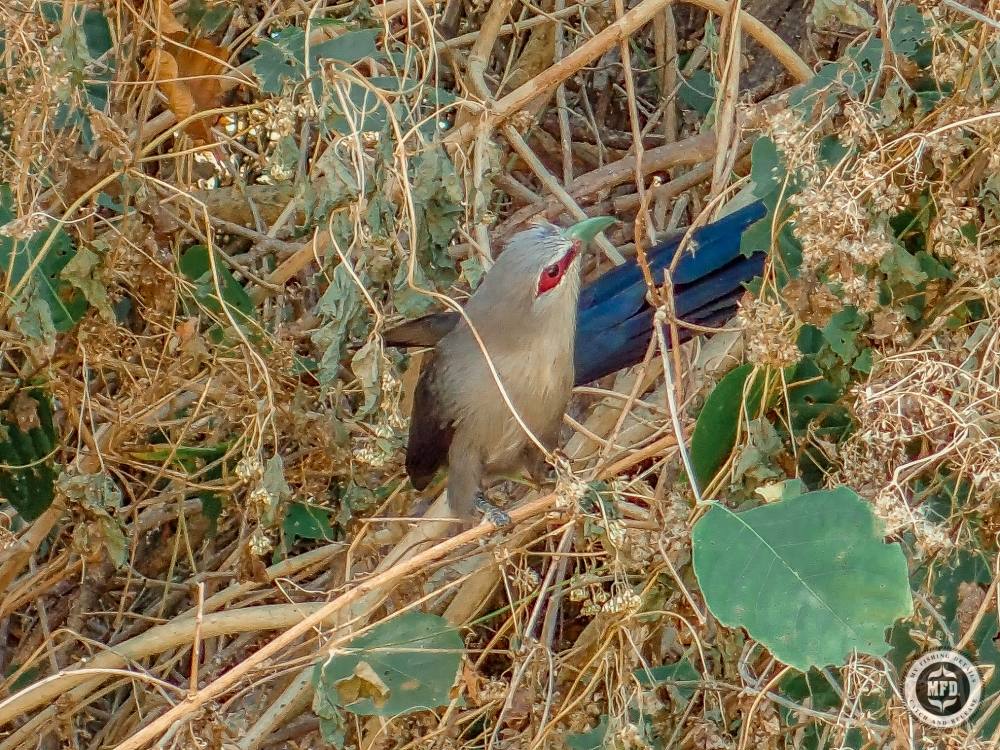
[{"x": 491, "y": 513}]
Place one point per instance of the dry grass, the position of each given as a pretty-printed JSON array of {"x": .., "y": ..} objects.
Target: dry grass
[{"x": 205, "y": 634}]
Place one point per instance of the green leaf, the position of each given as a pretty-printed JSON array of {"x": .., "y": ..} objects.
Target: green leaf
[
  {"x": 195, "y": 264},
  {"x": 810, "y": 577},
  {"x": 367, "y": 366},
  {"x": 115, "y": 540},
  {"x": 755, "y": 459},
  {"x": 409, "y": 301},
  {"x": 437, "y": 198},
  {"x": 33, "y": 316},
  {"x": 846, "y": 11},
  {"x": 400, "y": 666},
  {"x": 211, "y": 509},
  {"x": 472, "y": 271},
  {"x": 96, "y": 32},
  {"x": 591, "y": 740},
  {"x": 812, "y": 397},
  {"x": 307, "y": 522},
  {"x": 27, "y": 474},
  {"x": 82, "y": 272},
  {"x": 767, "y": 170},
  {"x": 207, "y": 19},
  {"x": 97, "y": 496},
  {"x": 670, "y": 674},
  {"x": 698, "y": 91},
  {"x": 281, "y": 59},
  {"x": 46, "y": 303},
  {"x": 184, "y": 455},
  {"x": 28, "y": 676},
  {"x": 842, "y": 333},
  {"x": 349, "y": 47},
  {"x": 342, "y": 310},
  {"x": 715, "y": 431},
  {"x": 814, "y": 687},
  {"x": 900, "y": 267},
  {"x": 909, "y": 30},
  {"x": 274, "y": 480}
]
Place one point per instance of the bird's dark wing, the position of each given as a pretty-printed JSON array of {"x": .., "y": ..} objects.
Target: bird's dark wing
[
  {"x": 708, "y": 302},
  {"x": 714, "y": 245},
  {"x": 425, "y": 331},
  {"x": 431, "y": 430},
  {"x": 614, "y": 321}
]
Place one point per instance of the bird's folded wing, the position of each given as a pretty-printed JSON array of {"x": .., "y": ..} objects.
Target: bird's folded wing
[
  {"x": 424, "y": 331},
  {"x": 608, "y": 342},
  {"x": 430, "y": 432}
]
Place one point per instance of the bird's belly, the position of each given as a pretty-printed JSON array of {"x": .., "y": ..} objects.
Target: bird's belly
[{"x": 540, "y": 404}]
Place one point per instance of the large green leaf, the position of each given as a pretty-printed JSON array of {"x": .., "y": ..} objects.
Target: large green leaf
[
  {"x": 304, "y": 521},
  {"x": 281, "y": 59},
  {"x": 27, "y": 441},
  {"x": 406, "y": 664},
  {"x": 44, "y": 294},
  {"x": 810, "y": 576},
  {"x": 715, "y": 431},
  {"x": 196, "y": 266}
]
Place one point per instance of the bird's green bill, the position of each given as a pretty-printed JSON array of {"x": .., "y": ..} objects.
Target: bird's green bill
[{"x": 587, "y": 229}]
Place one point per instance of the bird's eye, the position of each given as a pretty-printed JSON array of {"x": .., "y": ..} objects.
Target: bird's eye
[{"x": 552, "y": 271}]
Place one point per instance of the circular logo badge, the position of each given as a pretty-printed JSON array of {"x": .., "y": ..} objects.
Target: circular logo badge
[{"x": 942, "y": 689}]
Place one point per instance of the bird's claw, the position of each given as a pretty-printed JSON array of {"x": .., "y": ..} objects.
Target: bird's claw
[{"x": 492, "y": 513}]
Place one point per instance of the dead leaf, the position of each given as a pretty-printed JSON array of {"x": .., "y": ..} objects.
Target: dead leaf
[
  {"x": 472, "y": 680},
  {"x": 24, "y": 409},
  {"x": 83, "y": 272},
  {"x": 364, "y": 683},
  {"x": 884, "y": 325},
  {"x": 811, "y": 301},
  {"x": 970, "y": 598},
  {"x": 519, "y": 711},
  {"x": 249, "y": 567},
  {"x": 166, "y": 73},
  {"x": 168, "y": 23},
  {"x": 187, "y": 72},
  {"x": 186, "y": 329},
  {"x": 82, "y": 175},
  {"x": 203, "y": 63}
]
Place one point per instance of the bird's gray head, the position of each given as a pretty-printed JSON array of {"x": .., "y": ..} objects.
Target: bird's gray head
[{"x": 539, "y": 268}]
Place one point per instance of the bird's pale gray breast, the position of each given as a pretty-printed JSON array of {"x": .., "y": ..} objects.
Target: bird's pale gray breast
[{"x": 537, "y": 375}]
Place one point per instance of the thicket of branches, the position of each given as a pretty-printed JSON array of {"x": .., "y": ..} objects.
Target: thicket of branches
[{"x": 209, "y": 213}]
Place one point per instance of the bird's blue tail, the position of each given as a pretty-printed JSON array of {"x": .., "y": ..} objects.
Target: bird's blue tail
[{"x": 614, "y": 321}]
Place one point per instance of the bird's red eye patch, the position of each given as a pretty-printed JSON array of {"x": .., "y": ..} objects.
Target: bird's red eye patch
[{"x": 552, "y": 274}]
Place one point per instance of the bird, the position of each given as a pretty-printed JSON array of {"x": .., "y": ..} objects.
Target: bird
[{"x": 544, "y": 335}]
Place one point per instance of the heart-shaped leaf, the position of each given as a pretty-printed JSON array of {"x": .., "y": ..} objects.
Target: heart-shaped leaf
[{"x": 810, "y": 577}]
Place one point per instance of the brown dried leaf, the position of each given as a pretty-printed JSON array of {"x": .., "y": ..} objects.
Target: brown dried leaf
[
  {"x": 165, "y": 72},
  {"x": 472, "y": 681},
  {"x": 188, "y": 75},
  {"x": 364, "y": 683},
  {"x": 811, "y": 301},
  {"x": 168, "y": 23},
  {"x": 24, "y": 410},
  {"x": 249, "y": 567},
  {"x": 970, "y": 598},
  {"x": 204, "y": 62}
]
